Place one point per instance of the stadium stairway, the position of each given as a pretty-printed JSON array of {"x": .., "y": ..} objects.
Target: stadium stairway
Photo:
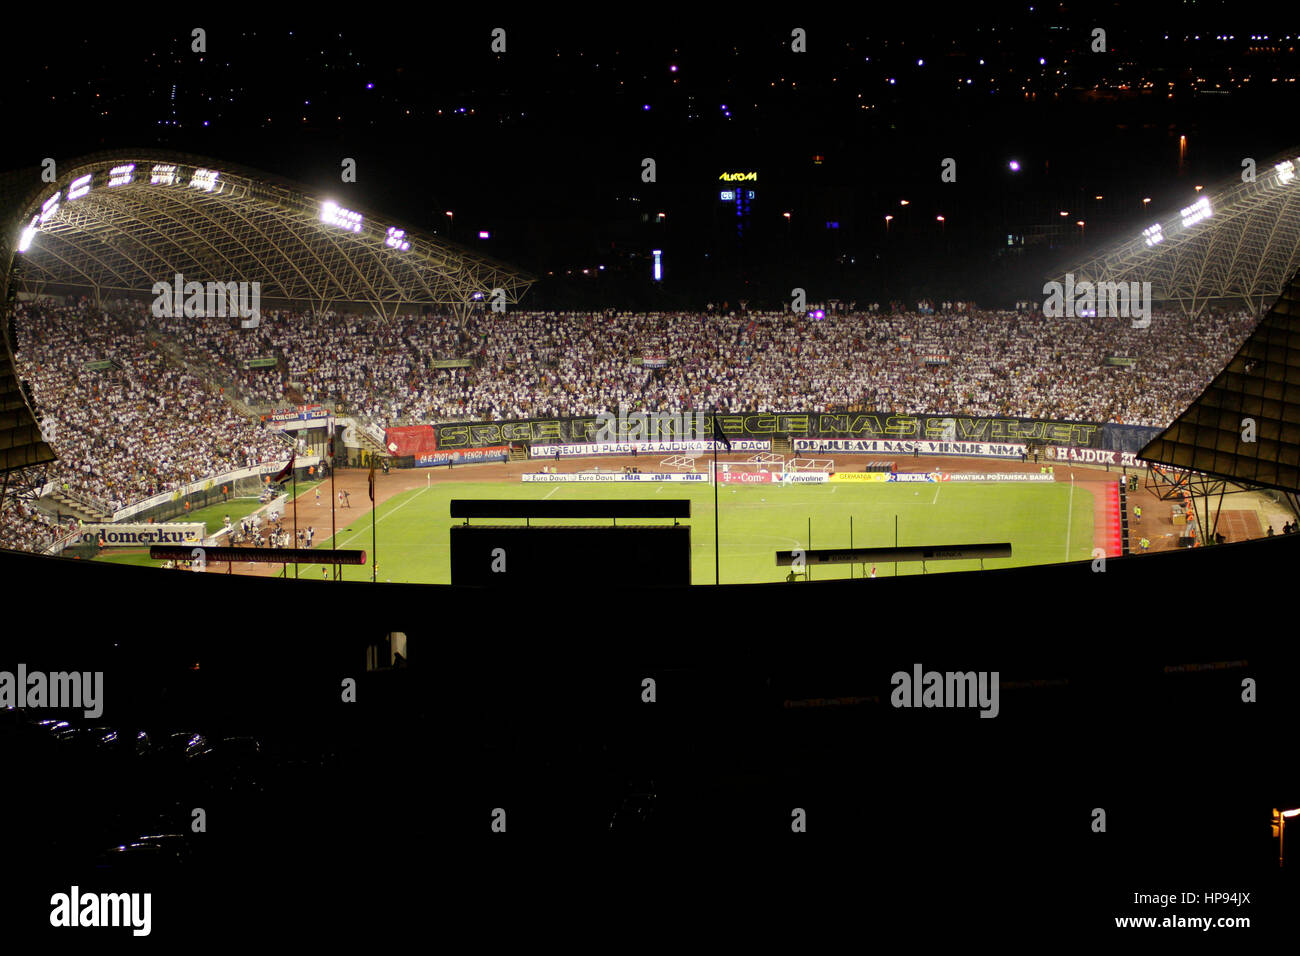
[
  {"x": 59, "y": 502},
  {"x": 369, "y": 443},
  {"x": 518, "y": 453}
]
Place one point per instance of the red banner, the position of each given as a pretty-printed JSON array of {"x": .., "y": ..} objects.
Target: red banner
[{"x": 411, "y": 441}]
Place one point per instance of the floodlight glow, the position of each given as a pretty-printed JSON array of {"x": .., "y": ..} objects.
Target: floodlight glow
[
  {"x": 396, "y": 238},
  {"x": 1153, "y": 234},
  {"x": 25, "y": 240},
  {"x": 121, "y": 175},
  {"x": 1014, "y": 165},
  {"x": 484, "y": 234},
  {"x": 79, "y": 187},
  {"x": 205, "y": 179},
  {"x": 50, "y": 207},
  {"x": 1285, "y": 171},
  {"x": 162, "y": 176},
  {"x": 335, "y": 215},
  {"x": 1197, "y": 211}
]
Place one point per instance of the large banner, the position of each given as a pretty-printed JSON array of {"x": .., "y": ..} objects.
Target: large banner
[
  {"x": 464, "y": 456},
  {"x": 412, "y": 441},
  {"x": 641, "y": 447},
  {"x": 869, "y": 447},
  {"x": 1093, "y": 456},
  {"x": 767, "y": 425},
  {"x": 143, "y": 535}
]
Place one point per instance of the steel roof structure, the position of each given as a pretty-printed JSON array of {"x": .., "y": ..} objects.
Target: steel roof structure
[
  {"x": 1245, "y": 426},
  {"x": 146, "y": 216},
  {"x": 1237, "y": 241},
  {"x": 120, "y": 221}
]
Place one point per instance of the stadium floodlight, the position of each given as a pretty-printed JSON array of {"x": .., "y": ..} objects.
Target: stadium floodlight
[
  {"x": 1285, "y": 171},
  {"x": 1153, "y": 234},
  {"x": 335, "y": 215},
  {"x": 79, "y": 187},
  {"x": 484, "y": 234},
  {"x": 396, "y": 238},
  {"x": 121, "y": 175},
  {"x": 1197, "y": 212},
  {"x": 25, "y": 240},
  {"x": 205, "y": 179},
  {"x": 162, "y": 175},
  {"x": 50, "y": 207}
]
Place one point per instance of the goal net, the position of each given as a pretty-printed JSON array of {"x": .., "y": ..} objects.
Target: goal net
[{"x": 811, "y": 464}]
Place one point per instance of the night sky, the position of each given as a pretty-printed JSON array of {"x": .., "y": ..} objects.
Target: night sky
[{"x": 542, "y": 145}]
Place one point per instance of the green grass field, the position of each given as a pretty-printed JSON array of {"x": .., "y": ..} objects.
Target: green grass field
[{"x": 1045, "y": 523}]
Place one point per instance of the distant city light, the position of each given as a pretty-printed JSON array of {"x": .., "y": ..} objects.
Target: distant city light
[
  {"x": 1014, "y": 165},
  {"x": 483, "y": 234},
  {"x": 673, "y": 68}
]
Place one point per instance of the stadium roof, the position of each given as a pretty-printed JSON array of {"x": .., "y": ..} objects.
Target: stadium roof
[
  {"x": 1235, "y": 241},
  {"x": 121, "y": 221},
  {"x": 1261, "y": 385}
]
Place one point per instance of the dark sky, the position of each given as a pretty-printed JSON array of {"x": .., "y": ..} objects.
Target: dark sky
[{"x": 542, "y": 145}]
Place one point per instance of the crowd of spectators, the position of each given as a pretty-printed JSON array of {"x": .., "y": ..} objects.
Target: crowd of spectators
[
  {"x": 27, "y": 528},
  {"x": 135, "y": 408},
  {"x": 125, "y": 422},
  {"x": 947, "y": 359}
]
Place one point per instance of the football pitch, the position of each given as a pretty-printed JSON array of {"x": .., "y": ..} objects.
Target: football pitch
[{"x": 1045, "y": 522}]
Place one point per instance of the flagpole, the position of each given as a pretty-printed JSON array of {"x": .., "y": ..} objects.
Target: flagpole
[
  {"x": 716, "y": 560},
  {"x": 334, "y": 545},
  {"x": 295, "y": 519},
  {"x": 374, "y": 556}
]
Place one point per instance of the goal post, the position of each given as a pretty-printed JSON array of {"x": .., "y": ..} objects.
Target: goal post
[{"x": 811, "y": 464}]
